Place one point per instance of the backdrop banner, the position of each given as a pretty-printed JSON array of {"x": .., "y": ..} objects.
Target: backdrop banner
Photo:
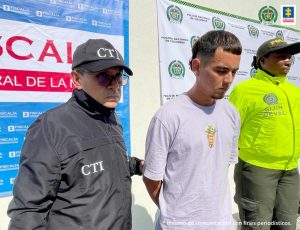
[
  {"x": 37, "y": 40},
  {"x": 181, "y": 23}
]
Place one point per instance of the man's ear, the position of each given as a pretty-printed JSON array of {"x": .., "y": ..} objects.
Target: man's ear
[
  {"x": 76, "y": 79},
  {"x": 195, "y": 65}
]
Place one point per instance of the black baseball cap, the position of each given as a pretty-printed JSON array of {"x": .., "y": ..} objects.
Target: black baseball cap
[
  {"x": 98, "y": 54},
  {"x": 276, "y": 44}
]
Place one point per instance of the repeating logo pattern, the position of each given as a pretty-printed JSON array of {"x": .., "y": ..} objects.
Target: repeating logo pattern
[
  {"x": 174, "y": 14},
  {"x": 176, "y": 69},
  {"x": 292, "y": 60},
  {"x": 193, "y": 40},
  {"x": 279, "y": 34},
  {"x": 253, "y": 72},
  {"x": 218, "y": 24},
  {"x": 253, "y": 31}
]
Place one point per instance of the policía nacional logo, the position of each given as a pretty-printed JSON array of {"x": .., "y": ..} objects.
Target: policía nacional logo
[
  {"x": 253, "y": 31},
  {"x": 268, "y": 15},
  {"x": 193, "y": 40},
  {"x": 218, "y": 24},
  {"x": 174, "y": 14},
  {"x": 176, "y": 69},
  {"x": 253, "y": 72},
  {"x": 271, "y": 99},
  {"x": 292, "y": 60},
  {"x": 279, "y": 34}
]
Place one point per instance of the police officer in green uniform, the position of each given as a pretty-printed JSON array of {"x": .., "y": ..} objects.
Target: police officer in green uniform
[{"x": 266, "y": 176}]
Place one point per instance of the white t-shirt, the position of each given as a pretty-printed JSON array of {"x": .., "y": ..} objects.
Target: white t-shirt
[{"x": 190, "y": 147}]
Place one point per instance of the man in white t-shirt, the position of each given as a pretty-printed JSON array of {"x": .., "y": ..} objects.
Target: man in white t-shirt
[{"x": 192, "y": 140}]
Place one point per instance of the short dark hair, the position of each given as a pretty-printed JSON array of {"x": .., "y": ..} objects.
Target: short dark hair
[{"x": 207, "y": 44}]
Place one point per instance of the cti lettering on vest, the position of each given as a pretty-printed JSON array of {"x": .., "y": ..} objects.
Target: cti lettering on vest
[{"x": 92, "y": 168}]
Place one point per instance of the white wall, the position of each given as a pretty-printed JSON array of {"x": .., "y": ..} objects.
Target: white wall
[
  {"x": 144, "y": 96},
  {"x": 145, "y": 87}
]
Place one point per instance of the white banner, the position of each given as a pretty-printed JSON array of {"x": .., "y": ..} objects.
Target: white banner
[
  {"x": 37, "y": 41},
  {"x": 179, "y": 25}
]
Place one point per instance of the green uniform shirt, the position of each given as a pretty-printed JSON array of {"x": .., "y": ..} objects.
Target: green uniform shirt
[{"x": 270, "y": 121}]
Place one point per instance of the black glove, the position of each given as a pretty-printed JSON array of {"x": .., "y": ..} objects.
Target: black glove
[{"x": 134, "y": 166}]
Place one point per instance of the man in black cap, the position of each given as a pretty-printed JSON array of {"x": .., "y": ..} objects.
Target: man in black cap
[
  {"x": 266, "y": 176},
  {"x": 74, "y": 170}
]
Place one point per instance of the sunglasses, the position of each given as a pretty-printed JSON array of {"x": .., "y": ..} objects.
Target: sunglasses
[{"x": 106, "y": 80}]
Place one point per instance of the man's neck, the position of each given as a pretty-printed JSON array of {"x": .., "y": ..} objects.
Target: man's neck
[{"x": 199, "y": 98}]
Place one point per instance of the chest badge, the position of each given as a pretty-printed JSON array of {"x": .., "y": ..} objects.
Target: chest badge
[
  {"x": 271, "y": 99},
  {"x": 211, "y": 135}
]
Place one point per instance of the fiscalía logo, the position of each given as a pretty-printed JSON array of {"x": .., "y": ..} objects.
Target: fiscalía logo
[
  {"x": 13, "y": 154},
  {"x": 292, "y": 60},
  {"x": 17, "y": 128},
  {"x": 288, "y": 15},
  {"x": 47, "y": 14},
  {"x": 12, "y": 180},
  {"x": 279, "y": 34},
  {"x": 176, "y": 69},
  {"x": 94, "y": 23},
  {"x": 69, "y": 18},
  {"x": 61, "y": 2},
  {"x": 253, "y": 31},
  {"x": 271, "y": 99},
  {"x": 267, "y": 15},
  {"x": 115, "y": 12},
  {"x": 218, "y": 24},
  {"x": 193, "y": 40},
  {"x": 6, "y": 114},
  {"x": 174, "y": 14},
  {"x": 211, "y": 135},
  {"x": 97, "y": 23},
  {"x": 31, "y": 114},
  {"x": 16, "y": 9},
  {"x": 6, "y": 7},
  {"x": 39, "y": 13},
  {"x": 9, "y": 140},
  {"x": 10, "y": 128},
  {"x": 83, "y": 6},
  {"x": 253, "y": 72}
]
